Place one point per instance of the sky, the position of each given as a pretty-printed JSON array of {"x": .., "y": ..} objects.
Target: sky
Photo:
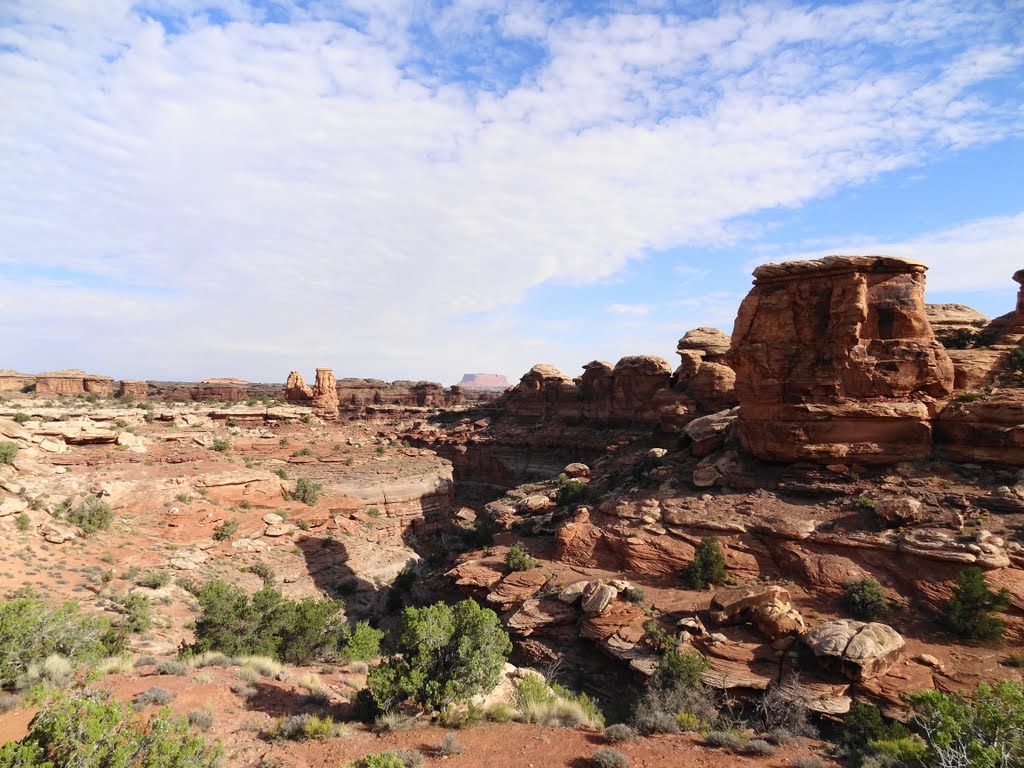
[{"x": 420, "y": 189}]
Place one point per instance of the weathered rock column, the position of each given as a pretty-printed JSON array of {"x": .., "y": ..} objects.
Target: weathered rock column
[
  {"x": 835, "y": 360},
  {"x": 325, "y": 394}
]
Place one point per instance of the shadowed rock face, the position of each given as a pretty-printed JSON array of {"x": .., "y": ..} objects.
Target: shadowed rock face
[{"x": 835, "y": 358}]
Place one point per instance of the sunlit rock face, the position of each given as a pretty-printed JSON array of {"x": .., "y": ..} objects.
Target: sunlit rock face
[{"x": 835, "y": 359}]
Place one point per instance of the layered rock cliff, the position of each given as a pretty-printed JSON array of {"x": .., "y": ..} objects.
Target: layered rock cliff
[{"x": 835, "y": 359}]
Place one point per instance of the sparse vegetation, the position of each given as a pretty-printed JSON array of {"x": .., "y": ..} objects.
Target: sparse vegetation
[
  {"x": 708, "y": 565},
  {"x": 20, "y": 417},
  {"x": 306, "y": 491},
  {"x": 675, "y": 688},
  {"x": 444, "y": 654},
  {"x": 200, "y": 719},
  {"x": 221, "y": 446},
  {"x": 268, "y": 624},
  {"x": 92, "y": 733},
  {"x": 226, "y": 531},
  {"x": 154, "y": 695},
  {"x": 450, "y": 746},
  {"x": 865, "y": 502},
  {"x": 570, "y": 492},
  {"x": 153, "y": 579},
  {"x": 302, "y": 452},
  {"x": 864, "y": 599},
  {"x": 8, "y": 451},
  {"x": 610, "y": 758},
  {"x": 264, "y": 571},
  {"x": 969, "y": 611},
  {"x": 517, "y": 559},
  {"x": 619, "y": 733},
  {"x": 23, "y": 522},
  {"x": 555, "y": 705},
  {"x": 138, "y": 615},
  {"x": 91, "y": 515},
  {"x": 304, "y": 727}
]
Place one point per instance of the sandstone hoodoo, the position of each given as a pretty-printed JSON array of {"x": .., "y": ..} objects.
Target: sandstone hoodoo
[
  {"x": 835, "y": 359},
  {"x": 296, "y": 390},
  {"x": 325, "y": 394}
]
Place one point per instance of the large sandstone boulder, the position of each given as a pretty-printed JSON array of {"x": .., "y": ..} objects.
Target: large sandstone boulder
[
  {"x": 296, "y": 390},
  {"x": 835, "y": 358},
  {"x": 857, "y": 650},
  {"x": 711, "y": 343}
]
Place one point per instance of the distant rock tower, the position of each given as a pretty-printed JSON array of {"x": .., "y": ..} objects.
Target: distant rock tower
[
  {"x": 835, "y": 360},
  {"x": 325, "y": 394}
]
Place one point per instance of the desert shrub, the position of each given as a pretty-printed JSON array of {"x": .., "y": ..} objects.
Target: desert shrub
[
  {"x": 20, "y": 417},
  {"x": 708, "y": 565},
  {"x": 675, "y": 688},
  {"x": 783, "y": 709},
  {"x": 306, "y": 491},
  {"x": 633, "y": 595},
  {"x": 303, "y": 727},
  {"x": 30, "y": 631},
  {"x": 445, "y": 654},
  {"x": 361, "y": 643},
  {"x": 807, "y": 761},
  {"x": 23, "y": 522},
  {"x": 450, "y": 746},
  {"x": 865, "y": 502},
  {"x": 1015, "y": 660},
  {"x": 221, "y": 445},
  {"x": 54, "y": 669},
  {"x": 9, "y": 701},
  {"x": 610, "y": 758},
  {"x": 382, "y": 760},
  {"x": 281, "y": 472},
  {"x": 864, "y": 725},
  {"x": 91, "y": 733},
  {"x": 571, "y": 492},
  {"x": 268, "y": 624},
  {"x": 517, "y": 559},
  {"x": 864, "y": 599},
  {"x": 154, "y": 695},
  {"x": 907, "y": 750},
  {"x": 555, "y": 706},
  {"x": 985, "y": 730},
  {"x": 394, "y": 721},
  {"x": 91, "y": 515},
  {"x": 8, "y": 451},
  {"x": 201, "y": 719},
  {"x": 302, "y": 452},
  {"x": 171, "y": 667},
  {"x": 726, "y": 740},
  {"x": 759, "y": 747},
  {"x": 154, "y": 579},
  {"x": 264, "y": 571},
  {"x": 226, "y": 531},
  {"x": 969, "y": 611},
  {"x": 618, "y": 733},
  {"x": 1015, "y": 361}
]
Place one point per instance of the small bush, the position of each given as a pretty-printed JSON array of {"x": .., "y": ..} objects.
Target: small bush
[
  {"x": 1015, "y": 660},
  {"x": 307, "y": 491},
  {"x": 281, "y": 472},
  {"x": 394, "y": 721},
  {"x": 610, "y": 758},
  {"x": 517, "y": 559},
  {"x": 226, "y": 530},
  {"x": 220, "y": 446},
  {"x": 450, "y": 746},
  {"x": 303, "y": 728},
  {"x": 200, "y": 719},
  {"x": 726, "y": 740},
  {"x": 689, "y": 722},
  {"x": 20, "y": 417},
  {"x": 865, "y": 502},
  {"x": 500, "y": 712},
  {"x": 362, "y": 643},
  {"x": 571, "y": 492},
  {"x": 759, "y": 747},
  {"x": 9, "y": 701},
  {"x": 154, "y": 695},
  {"x": 1015, "y": 362},
  {"x": 264, "y": 571},
  {"x": 807, "y": 761},
  {"x": 382, "y": 760},
  {"x": 708, "y": 565},
  {"x": 619, "y": 733},
  {"x": 302, "y": 452},
  {"x": 864, "y": 599},
  {"x": 154, "y": 579},
  {"x": 968, "y": 612},
  {"x": 91, "y": 515},
  {"x": 23, "y": 522},
  {"x": 171, "y": 667},
  {"x": 8, "y": 451},
  {"x": 633, "y": 595}
]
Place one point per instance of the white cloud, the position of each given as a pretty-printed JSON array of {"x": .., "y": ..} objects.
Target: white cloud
[
  {"x": 630, "y": 309},
  {"x": 312, "y": 193}
]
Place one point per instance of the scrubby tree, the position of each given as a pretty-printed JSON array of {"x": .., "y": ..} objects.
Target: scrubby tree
[
  {"x": 708, "y": 565},
  {"x": 864, "y": 599},
  {"x": 969, "y": 611},
  {"x": 444, "y": 654}
]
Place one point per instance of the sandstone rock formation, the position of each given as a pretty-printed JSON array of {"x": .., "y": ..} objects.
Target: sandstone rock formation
[
  {"x": 138, "y": 390},
  {"x": 325, "y": 394},
  {"x": 12, "y": 381},
  {"x": 854, "y": 649},
  {"x": 296, "y": 390},
  {"x": 711, "y": 342},
  {"x": 948, "y": 319},
  {"x": 68, "y": 382},
  {"x": 835, "y": 358}
]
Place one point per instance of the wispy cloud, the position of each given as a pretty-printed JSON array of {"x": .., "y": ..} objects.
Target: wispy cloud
[
  {"x": 630, "y": 309},
  {"x": 333, "y": 183}
]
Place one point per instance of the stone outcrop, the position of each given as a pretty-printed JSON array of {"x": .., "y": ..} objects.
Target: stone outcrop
[
  {"x": 854, "y": 649},
  {"x": 137, "y": 390},
  {"x": 712, "y": 343},
  {"x": 12, "y": 381},
  {"x": 296, "y": 390},
  {"x": 98, "y": 385},
  {"x": 69, "y": 382},
  {"x": 835, "y": 359},
  {"x": 365, "y": 393},
  {"x": 947, "y": 320},
  {"x": 1008, "y": 329},
  {"x": 325, "y": 394}
]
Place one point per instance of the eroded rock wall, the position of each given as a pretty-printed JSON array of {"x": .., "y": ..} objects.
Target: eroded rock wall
[{"x": 835, "y": 359}]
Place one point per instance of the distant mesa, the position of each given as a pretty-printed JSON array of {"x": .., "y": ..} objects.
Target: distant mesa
[
  {"x": 226, "y": 380},
  {"x": 483, "y": 381}
]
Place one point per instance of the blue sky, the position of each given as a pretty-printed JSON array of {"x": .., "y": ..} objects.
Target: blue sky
[{"x": 415, "y": 189}]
